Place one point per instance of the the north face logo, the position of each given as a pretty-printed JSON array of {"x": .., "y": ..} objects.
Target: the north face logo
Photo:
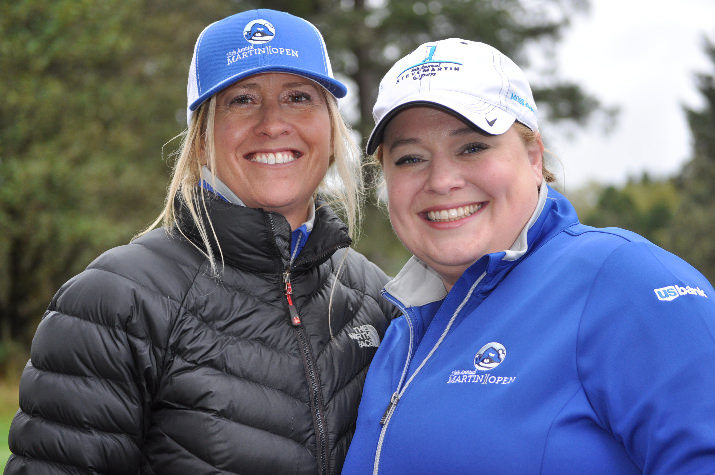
[{"x": 366, "y": 336}]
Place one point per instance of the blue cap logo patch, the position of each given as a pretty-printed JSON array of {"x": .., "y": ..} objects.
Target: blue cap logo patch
[{"x": 259, "y": 32}]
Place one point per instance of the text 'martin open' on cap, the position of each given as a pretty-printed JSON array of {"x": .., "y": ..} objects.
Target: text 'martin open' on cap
[{"x": 253, "y": 42}]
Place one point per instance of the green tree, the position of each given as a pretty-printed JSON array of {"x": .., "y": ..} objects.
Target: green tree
[
  {"x": 93, "y": 91},
  {"x": 644, "y": 206},
  {"x": 90, "y": 97},
  {"x": 691, "y": 235}
]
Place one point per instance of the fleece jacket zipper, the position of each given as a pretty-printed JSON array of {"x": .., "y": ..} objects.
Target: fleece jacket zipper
[{"x": 400, "y": 391}]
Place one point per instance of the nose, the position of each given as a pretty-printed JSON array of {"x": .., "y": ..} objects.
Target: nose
[
  {"x": 271, "y": 121},
  {"x": 444, "y": 175}
]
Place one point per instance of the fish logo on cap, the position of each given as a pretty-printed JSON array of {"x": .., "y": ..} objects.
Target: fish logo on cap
[{"x": 259, "y": 32}]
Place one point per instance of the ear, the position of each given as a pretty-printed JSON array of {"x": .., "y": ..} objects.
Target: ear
[{"x": 535, "y": 153}]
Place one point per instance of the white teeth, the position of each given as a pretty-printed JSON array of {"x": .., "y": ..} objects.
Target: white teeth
[
  {"x": 453, "y": 214},
  {"x": 273, "y": 158}
]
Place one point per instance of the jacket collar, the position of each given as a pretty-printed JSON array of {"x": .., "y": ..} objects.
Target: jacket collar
[{"x": 257, "y": 241}]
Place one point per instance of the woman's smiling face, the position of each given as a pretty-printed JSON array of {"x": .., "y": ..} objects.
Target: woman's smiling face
[
  {"x": 272, "y": 137},
  {"x": 454, "y": 193}
]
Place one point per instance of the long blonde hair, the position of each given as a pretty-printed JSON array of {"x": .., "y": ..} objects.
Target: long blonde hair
[{"x": 341, "y": 187}]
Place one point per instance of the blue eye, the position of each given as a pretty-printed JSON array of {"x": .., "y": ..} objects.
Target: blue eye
[
  {"x": 474, "y": 148},
  {"x": 407, "y": 160}
]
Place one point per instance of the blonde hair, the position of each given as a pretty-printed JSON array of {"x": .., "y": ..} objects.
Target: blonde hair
[
  {"x": 341, "y": 187},
  {"x": 530, "y": 136}
]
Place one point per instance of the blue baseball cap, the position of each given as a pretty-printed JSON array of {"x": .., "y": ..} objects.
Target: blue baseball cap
[{"x": 253, "y": 42}]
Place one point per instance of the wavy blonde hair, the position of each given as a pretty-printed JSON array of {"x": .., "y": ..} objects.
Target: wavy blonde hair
[{"x": 341, "y": 187}]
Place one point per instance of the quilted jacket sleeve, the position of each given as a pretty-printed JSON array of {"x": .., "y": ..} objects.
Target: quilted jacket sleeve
[{"x": 86, "y": 391}]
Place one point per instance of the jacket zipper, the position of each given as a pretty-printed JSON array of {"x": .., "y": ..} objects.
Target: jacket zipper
[
  {"x": 294, "y": 316},
  {"x": 309, "y": 365},
  {"x": 400, "y": 391},
  {"x": 394, "y": 399}
]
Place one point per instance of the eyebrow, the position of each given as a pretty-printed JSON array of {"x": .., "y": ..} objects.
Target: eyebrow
[
  {"x": 255, "y": 85},
  {"x": 399, "y": 142},
  {"x": 466, "y": 130}
]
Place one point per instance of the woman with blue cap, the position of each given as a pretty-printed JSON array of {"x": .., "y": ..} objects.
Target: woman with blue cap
[
  {"x": 529, "y": 342},
  {"x": 235, "y": 338}
]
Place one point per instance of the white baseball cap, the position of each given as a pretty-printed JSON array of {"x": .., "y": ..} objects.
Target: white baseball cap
[{"x": 472, "y": 80}]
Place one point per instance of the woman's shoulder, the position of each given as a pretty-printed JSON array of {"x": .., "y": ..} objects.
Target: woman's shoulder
[
  {"x": 157, "y": 266},
  {"x": 622, "y": 266},
  {"x": 358, "y": 272},
  {"x": 158, "y": 252},
  {"x": 361, "y": 265},
  {"x": 628, "y": 252}
]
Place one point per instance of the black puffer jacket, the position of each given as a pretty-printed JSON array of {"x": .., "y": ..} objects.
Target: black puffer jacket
[{"x": 144, "y": 363}]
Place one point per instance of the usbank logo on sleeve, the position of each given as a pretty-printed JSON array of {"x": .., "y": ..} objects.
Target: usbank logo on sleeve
[
  {"x": 487, "y": 358},
  {"x": 672, "y": 292}
]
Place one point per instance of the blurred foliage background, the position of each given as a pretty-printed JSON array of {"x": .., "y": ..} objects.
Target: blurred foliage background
[{"x": 94, "y": 99}]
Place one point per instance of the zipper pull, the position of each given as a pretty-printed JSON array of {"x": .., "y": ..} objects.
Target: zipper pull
[
  {"x": 294, "y": 317},
  {"x": 390, "y": 408}
]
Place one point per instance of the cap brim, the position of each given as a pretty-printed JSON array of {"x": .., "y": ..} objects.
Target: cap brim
[
  {"x": 487, "y": 118},
  {"x": 333, "y": 86}
]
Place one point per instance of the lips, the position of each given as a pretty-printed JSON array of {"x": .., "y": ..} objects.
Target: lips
[
  {"x": 453, "y": 214},
  {"x": 273, "y": 158}
]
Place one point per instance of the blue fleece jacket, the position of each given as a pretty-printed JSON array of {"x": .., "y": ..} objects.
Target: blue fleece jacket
[{"x": 580, "y": 350}]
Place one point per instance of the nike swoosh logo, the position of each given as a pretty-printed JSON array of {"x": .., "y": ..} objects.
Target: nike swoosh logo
[{"x": 491, "y": 122}]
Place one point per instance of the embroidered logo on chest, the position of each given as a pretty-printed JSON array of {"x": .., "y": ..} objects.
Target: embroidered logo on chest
[{"x": 487, "y": 358}]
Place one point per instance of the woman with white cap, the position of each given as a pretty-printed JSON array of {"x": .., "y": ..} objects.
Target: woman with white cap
[
  {"x": 236, "y": 338},
  {"x": 529, "y": 343}
]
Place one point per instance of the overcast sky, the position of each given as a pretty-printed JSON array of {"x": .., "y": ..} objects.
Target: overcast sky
[{"x": 640, "y": 55}]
